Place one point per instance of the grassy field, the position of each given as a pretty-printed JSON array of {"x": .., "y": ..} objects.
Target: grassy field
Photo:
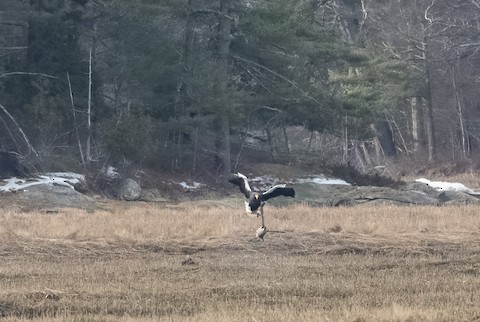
[{"x": 198, "y": 262}]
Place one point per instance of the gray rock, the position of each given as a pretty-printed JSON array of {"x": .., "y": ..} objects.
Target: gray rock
[
  {"x": 153, "y": 195},
  {"x": 129, "y": 190},
  {"x": 47, "y": 197},
  {"x": 457, "y": 198}
]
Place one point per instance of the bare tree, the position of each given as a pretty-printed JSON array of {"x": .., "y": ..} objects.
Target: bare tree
[{"x": 223, "y": 51}]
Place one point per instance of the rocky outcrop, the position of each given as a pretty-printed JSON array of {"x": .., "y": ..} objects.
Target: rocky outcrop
[
  {"x": 344, "y": 195},
  {"x": 50, "y": 193},
  {"x": 46, "y": 197}
]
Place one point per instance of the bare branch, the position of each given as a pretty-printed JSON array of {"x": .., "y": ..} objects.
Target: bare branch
[
  {"x": 214, "y": 12},
  {"x": 426, "y": 12},
  {"x": 271, "y": 108},
  {"x": 19, "y": 129},
  {"x": 364, "y": 10},
  {"x": 279, "y": 76},
  {"x": 13, "y": 48},
  {"x": 26, "y": 73},
  {"x": 262, "y": 85},
  {"x": 475, "y": 3},
  {"x": 473, "y": 44}
]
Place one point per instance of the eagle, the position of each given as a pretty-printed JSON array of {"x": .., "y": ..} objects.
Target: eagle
[{"x": 256, "y": 200}]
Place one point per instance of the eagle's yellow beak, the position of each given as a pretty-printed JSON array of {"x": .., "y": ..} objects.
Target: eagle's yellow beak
[{"x": 257, "y": 197}]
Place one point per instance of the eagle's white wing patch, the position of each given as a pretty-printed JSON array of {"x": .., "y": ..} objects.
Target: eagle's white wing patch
[
  {"x": 274, "y": 188},
  {"x": 247, "y": 186}
]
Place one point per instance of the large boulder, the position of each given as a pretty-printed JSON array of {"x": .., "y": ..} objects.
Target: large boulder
[{"x": 129, "y": 190}]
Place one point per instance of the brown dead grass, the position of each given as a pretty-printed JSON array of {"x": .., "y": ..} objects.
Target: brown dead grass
[{"x": 202, "y": 262}]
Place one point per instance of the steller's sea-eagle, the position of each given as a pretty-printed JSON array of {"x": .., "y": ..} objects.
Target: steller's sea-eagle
[{"x": 256, "y": 200}]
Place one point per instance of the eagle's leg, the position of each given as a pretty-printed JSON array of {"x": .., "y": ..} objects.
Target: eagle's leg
[
  {"x": 261, "y": 214},
  {"x": 259, "y": 211},
  {"x": 262, "y": 231}
]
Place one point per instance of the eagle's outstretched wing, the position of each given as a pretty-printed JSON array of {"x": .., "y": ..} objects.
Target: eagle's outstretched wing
[
  {"x": 241, "y": 181},
  {"x": 278, "y": 190}
]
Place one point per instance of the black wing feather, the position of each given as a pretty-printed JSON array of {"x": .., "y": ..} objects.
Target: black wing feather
[
  {"x": 276, "y": 191},
  {"x": 240, "y": 181}
]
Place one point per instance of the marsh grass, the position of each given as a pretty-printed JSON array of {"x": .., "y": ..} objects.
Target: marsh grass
[{"x": 202, "y": 262}]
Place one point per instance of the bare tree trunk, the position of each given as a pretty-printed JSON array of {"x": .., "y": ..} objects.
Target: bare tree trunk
[
  {"x": 92, "y": 54},
  {"x": 429, "y": 122},
  {"x": 415, "y": 104},
  {"x": 366, "y": 154},
  {"x": 239, "y": 154},
  {"x": 223, "y": 146},
  {"x": 287, "y": 141},
  {"x": 404, "y": 144},
  {"x": 377, "y": 144},
  {"x": 184, "y": 95},
  {"x": 223, "y": 51},
  {"x": 310, "y": 140},
  {"x": 359, "y": 157},
  {"x": 384, "y": 137},
  {"x": 195, "y": 150},
  {"x": 89, "y": 110},
  {"x": 178, "y": 141},
  {"x": 378, "y": 151},
  {"x": 184, "y": 100},
  {"x": 345, "y": 145},
  {"x": 75, "y": 122},
  {"x": 273, "y": 148},
  {"x": 430, "y": 131},
  {"x": 453, "y": 144},
  {"x": 461, "y": 119}
]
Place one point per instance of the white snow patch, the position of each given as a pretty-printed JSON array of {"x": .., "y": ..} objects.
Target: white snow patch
[
  {"x": 194, "y": 185},
  {"x": 448, "y": 186},
  {"x": 321, "y": 180},
  {"x": 66, "y": 175},
  {"x": 111, "y": 172},
  {"x": 68, "y": 179}
]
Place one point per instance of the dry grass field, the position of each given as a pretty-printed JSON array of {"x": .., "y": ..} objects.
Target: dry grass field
[{"x": 201, "y": 262}]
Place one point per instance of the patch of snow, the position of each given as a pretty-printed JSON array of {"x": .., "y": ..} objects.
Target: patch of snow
[
  {"x": 320, "y": 180},
  {"x": 67, "y": 179},
  {"x": 111, "y": 172},
  {"x": 448, "y": 186},
  {"x": 195, "y": 185},
  {"x": 66, "y": 175}
]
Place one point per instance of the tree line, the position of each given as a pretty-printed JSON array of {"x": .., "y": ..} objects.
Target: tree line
[{"x": 206, "y": 86}]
